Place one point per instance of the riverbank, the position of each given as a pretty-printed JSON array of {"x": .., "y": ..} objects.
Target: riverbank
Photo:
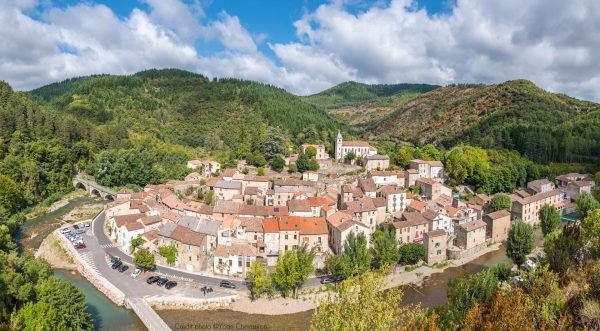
[
  {"x": 308, "y": 299},
  {"x": 53, "y": 252}
]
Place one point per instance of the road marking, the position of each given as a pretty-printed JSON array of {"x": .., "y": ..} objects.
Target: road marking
[{"x": 108, "y": 245}]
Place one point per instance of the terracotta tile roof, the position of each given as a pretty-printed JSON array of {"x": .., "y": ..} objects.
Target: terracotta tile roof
[
  {"x": 498, "y": 214},
  {"x": 338, "y": 218},
  {"x": 326, "y": 208},
  {"x": 356, "y": 143},
  {"x": 295, "y": 206},
  {"x": 537, "y": 197},
  {"x": 227, "y": 207},
  {"x": 379, "y": 202},
  {"x": 254, "y": 210},
  {"x": 390, "y": 189},
  {"x": 188, "y": 237},
  {"x": 412, "y": 171},
  {"x": 470, "y": 226},
  {"x": 320, "y": 201},
  {"x": 435, "y": 233},
  {"x": 418, "y": 205},
  {"x": 211, "y": 182},
  {"x": 131, "y": 226},
  {"x": 443, "y": 200},
  {"x": 251, "y": 190},
  {"x": 125, "y": 191},
  {"x": 256, "y": 178},
  {"x": 306, "y": 225},
  {"x": 367, "y": 184},
  {"x": 228, "y": 172},
  {"x": 271, "y": 225},
  {"x": 364, "y": 204},
  {"x": 173, "y": 202},
  {"x": 235, "y": 250},
  {"x": 121, "y": 220},
  {"x": 151, "y": 235},
  {"x": 252, "y": 224},
  {"x": 293, "y": 182},
  {"x": 148, "y": 220},
  {"x": 278, "y": 210},
  {"x": 171, "y": 216},
  {"x": 427, "y": 181},
  {"x": 435, "y": 163}
]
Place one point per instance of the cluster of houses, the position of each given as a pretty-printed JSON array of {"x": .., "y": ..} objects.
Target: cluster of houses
[{"x": 256, "y": 217}]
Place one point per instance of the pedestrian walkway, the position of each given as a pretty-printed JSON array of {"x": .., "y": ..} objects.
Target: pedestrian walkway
[{"x": 148, "y": 316}]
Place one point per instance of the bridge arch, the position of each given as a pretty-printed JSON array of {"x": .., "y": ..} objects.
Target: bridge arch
[
  {"x": 80, "y": 185},
  {"x": 95, "y": 192}
]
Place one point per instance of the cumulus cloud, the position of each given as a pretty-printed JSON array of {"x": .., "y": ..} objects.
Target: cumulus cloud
[{"x": 554, "y": 43}]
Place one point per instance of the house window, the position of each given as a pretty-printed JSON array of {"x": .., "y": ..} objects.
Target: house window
[
  {"x": 286, "y": 247},
  {"x": 437, "y": 245},
  {"x": 255, "y": 237},
  {"x": 240, "y": 259},
  {"x": 248, "y": 261},
  {"x": 230, "y": 263},
  {"x": 295, "y": 237},
  {"x": 286, "y": 237},
  {"x": 189, "y": 258},
  {"x": 220, "y": 261},
  {"x": 439, "y": 252}
]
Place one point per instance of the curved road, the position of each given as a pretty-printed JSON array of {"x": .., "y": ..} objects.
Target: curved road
[{"x": 109, "y": 247}]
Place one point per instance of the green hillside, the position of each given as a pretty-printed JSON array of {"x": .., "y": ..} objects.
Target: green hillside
[
  {"x": 546, "y": 127},
  {"x": 349, "y": 93}
]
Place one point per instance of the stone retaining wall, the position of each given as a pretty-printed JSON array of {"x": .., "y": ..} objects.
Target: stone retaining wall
[
  {"x": 461, "y": 254},
  {"x": 102, "y": 284},
  {"x": 185, "y": 303}
]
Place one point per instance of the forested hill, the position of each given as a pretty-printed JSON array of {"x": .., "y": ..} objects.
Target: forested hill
[
  {"x": 184, "y": 108},
  {"x": 546, "y": 127},
  {"x": 349, "y": 93}
]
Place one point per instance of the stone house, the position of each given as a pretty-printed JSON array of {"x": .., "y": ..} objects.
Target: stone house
[
  {"x": 191, "y": 247},
  {"x": 321, "y": 153},
  {"x": 234, "y": 259},
  {"x": 470, "y": 235},
  {"x": 435, "y": 245},
  {"x": 376, "y": 162},
  {"x": 340, "y": 225},
  {"x": 497, "y": 225}
]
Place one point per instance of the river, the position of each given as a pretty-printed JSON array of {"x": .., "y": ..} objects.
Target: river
[
  {"x": 109, "y": 316},
  {"x": 431, "y": 292}
]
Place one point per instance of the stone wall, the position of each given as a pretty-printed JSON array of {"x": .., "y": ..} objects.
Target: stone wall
[
  {"x": 457, "y": 254},
  {"x": 102, "y": 284},
  {"x": 186, "y": 303}
]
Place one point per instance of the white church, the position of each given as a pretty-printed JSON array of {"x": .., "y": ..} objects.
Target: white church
[{"x": 359, "y": 148}]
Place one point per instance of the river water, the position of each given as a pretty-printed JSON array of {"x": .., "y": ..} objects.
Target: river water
[
  {"x": 109, "y": 316},
  {"x": 431, "y": 292}
]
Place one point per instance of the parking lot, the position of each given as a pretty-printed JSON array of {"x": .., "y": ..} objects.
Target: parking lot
[{"x": 95, "y": 256}]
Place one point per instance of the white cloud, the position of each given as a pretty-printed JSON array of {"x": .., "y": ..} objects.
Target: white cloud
[{"x": 555, "y": 43}]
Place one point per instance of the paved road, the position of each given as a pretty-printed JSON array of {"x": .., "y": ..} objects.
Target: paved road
[
  {"x": 150, "y": 318},
  {"x": 110, "y": 248}
]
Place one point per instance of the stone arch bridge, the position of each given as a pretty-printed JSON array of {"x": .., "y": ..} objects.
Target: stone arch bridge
[{"x": 93, "y": 188}]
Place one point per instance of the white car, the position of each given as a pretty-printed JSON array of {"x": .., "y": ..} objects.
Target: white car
[
  {"x": 65, "y": 230},
  {"x": 136, "y": 273},
  {"x": 529, "y": 265}
]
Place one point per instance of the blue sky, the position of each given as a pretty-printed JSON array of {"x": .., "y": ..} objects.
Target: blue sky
[{"x": 306, "y": 46}]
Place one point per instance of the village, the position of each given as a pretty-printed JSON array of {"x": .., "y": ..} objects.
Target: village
[{"x": 250, "y": 217}]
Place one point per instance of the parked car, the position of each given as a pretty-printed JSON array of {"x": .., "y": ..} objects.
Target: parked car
[
  {"x": 114, "y": 259},
  {"x": 518, "y": 279},
  {"x": 152, "y": 279},
  {"x": 75, "y": 238},
  {"x": 116, "y": 264},
  {"x": 80, "y": 245},
  {"x": 529, "y": 265},
  {"x": 123, "y": 268},
  {"x": 80, "y": 231},
  {"x": 65, "y": 230},
  {"x": 327, "y": 280},
  {"x": 76, "y": 226},
  {"x": 170, "y": 284},
  {"x": 227, "y": 284},
  {"x": 162, "y": 281},
  {"x": 136, "y": 273},
  {"x": 87, "y": 224}
]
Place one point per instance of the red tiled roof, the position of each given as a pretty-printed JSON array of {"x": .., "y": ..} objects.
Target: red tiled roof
[
  {"x": 418, "y": 205},
  {"x": 306, "y": 225},
  {"x": 271, "y": 225}
]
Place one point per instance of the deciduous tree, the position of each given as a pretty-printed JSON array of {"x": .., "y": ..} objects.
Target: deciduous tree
[
  {"x": 385, "y": 249},
  {"x": 520, "y": 243},
  {"x": 549, "y": 218},
  {"x": 259, "y": 280},
  {"x": 500, "y": 201},
  {"x": 143, "y": 259},
  {"x": 412, "y": 253},
  {"x": 359, "y": 257}
]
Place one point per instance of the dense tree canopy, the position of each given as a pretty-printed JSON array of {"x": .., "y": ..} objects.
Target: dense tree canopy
[{"x": 520, "y": 242}]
